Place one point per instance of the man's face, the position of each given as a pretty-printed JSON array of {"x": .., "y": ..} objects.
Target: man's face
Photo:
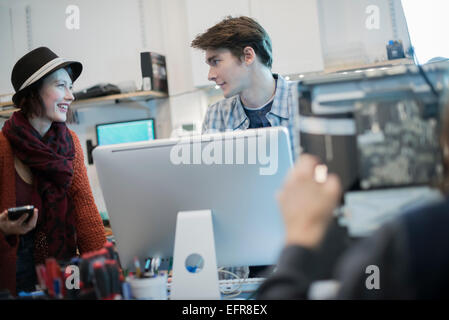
[{"x": 227, "y": 71}]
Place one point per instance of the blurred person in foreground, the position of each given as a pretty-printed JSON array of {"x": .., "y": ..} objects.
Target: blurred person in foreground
[{"x": 410, "y": 254}]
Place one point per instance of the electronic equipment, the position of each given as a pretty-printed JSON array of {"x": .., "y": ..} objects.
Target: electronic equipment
[
  {"x": 121, "y": 132},
  {"x": 376, "y": 128},
  {"x": 17, "y": 212},
  {"x": 154, "y": 72},
  {"x": 233, "y": 285},
  {"x": 125, "y": 131},
  {"x": 99, "y": 90},
  {"x": 395, "y": 50},
  {"x": 154, "y": 188}
]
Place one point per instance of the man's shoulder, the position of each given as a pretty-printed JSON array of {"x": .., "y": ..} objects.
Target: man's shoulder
[
  {"x": 222, "y": 115},
  {"x": 292, "y": 89},
  {"x": 223, "y": 105}
]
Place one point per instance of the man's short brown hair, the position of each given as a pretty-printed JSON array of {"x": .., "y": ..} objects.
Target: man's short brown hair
[{"x": 235, "y": 34}]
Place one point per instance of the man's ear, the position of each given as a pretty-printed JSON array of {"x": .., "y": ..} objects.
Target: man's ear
[{"x": 249, "y": 55}]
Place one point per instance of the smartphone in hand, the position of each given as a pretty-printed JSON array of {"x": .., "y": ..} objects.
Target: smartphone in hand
[{"x": 17, "y": 212}]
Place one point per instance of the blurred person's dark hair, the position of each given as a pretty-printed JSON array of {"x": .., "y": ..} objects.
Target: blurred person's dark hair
[{"x": 444, "y": 137}]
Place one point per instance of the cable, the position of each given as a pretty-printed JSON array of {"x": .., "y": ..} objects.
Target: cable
[
  {"x": 412, "y": 52},
  {"x": 424, "y": 75},
  {"x": 231, "y": 294}
]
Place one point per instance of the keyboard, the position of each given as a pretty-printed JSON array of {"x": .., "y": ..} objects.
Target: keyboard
[
  {"x": 246, "y": 285},
  {"x": 243, "y": 285}
]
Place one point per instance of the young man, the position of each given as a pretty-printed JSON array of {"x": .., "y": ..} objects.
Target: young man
[{"x": 238, "y": 51}]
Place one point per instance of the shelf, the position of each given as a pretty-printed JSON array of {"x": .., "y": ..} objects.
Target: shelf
[
  {"x": 123, "y": 97},
  {"x": 116, "y": 98},
  {"x": 7, "y": 111},
  {"x": 387, "y": 63},
  {"x": 6, "y": 104}
]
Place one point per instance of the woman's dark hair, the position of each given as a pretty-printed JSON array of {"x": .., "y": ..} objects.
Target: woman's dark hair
[
  {"x": 235, "y": 34},
  {"x": 30, "y": 101}
]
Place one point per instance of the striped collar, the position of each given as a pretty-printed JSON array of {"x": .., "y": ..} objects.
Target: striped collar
[{"x": 278, "y": 108}]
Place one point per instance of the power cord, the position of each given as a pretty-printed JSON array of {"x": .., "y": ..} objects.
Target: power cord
[
  {"x": 423, "y": 73},
  {"x": 235, "y": 292}
]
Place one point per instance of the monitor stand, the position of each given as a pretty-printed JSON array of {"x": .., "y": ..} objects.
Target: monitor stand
[{"x": 195, "y": 274}]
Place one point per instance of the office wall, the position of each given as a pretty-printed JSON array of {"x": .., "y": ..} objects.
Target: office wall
[
  {"x": 295, "y": 32},
  {"x": 187, "y": 104},
  {"x": 7, "y": 56},
  {"x": 350, "y": 34},
  {"x": 111, "y": 35}
]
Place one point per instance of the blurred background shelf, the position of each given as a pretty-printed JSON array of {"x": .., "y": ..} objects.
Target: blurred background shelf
[
  {"x": 7, "y": 108},
  {"x": 364, "y": 66}
]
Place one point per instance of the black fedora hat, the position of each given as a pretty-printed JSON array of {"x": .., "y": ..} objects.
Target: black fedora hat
[{"x": 36, "y": 64}]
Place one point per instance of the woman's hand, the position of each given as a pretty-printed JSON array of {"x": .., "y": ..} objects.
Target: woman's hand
[
  {"x": 8, "y": 227},
  {"x": 306, "y": 204}
]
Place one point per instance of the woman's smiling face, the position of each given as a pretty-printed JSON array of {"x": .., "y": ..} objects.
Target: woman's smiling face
[{"x": 56, "y": 94}]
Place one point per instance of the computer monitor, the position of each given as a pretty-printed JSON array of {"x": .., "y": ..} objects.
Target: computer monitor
[
  {"x": 125, "y": 131},
  {"x": 234, "y": 174}
]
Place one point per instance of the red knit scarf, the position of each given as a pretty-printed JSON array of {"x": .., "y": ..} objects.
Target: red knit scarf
[{"x": 50, "y": 159}]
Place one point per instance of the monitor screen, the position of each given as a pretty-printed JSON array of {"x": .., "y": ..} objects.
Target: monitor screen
[{"x": 125, "y": 131}]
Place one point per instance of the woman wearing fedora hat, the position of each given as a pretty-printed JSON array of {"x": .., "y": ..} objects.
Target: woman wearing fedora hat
[{"x": 42, "y": 164}]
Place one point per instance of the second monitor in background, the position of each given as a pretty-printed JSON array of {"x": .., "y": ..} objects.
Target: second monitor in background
[
  {"x": 125, "y": 131},
  {"x": 122, "y": 132}
]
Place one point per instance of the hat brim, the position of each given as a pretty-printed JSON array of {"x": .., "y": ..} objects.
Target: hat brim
[{"x": 76, "y": 67}]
